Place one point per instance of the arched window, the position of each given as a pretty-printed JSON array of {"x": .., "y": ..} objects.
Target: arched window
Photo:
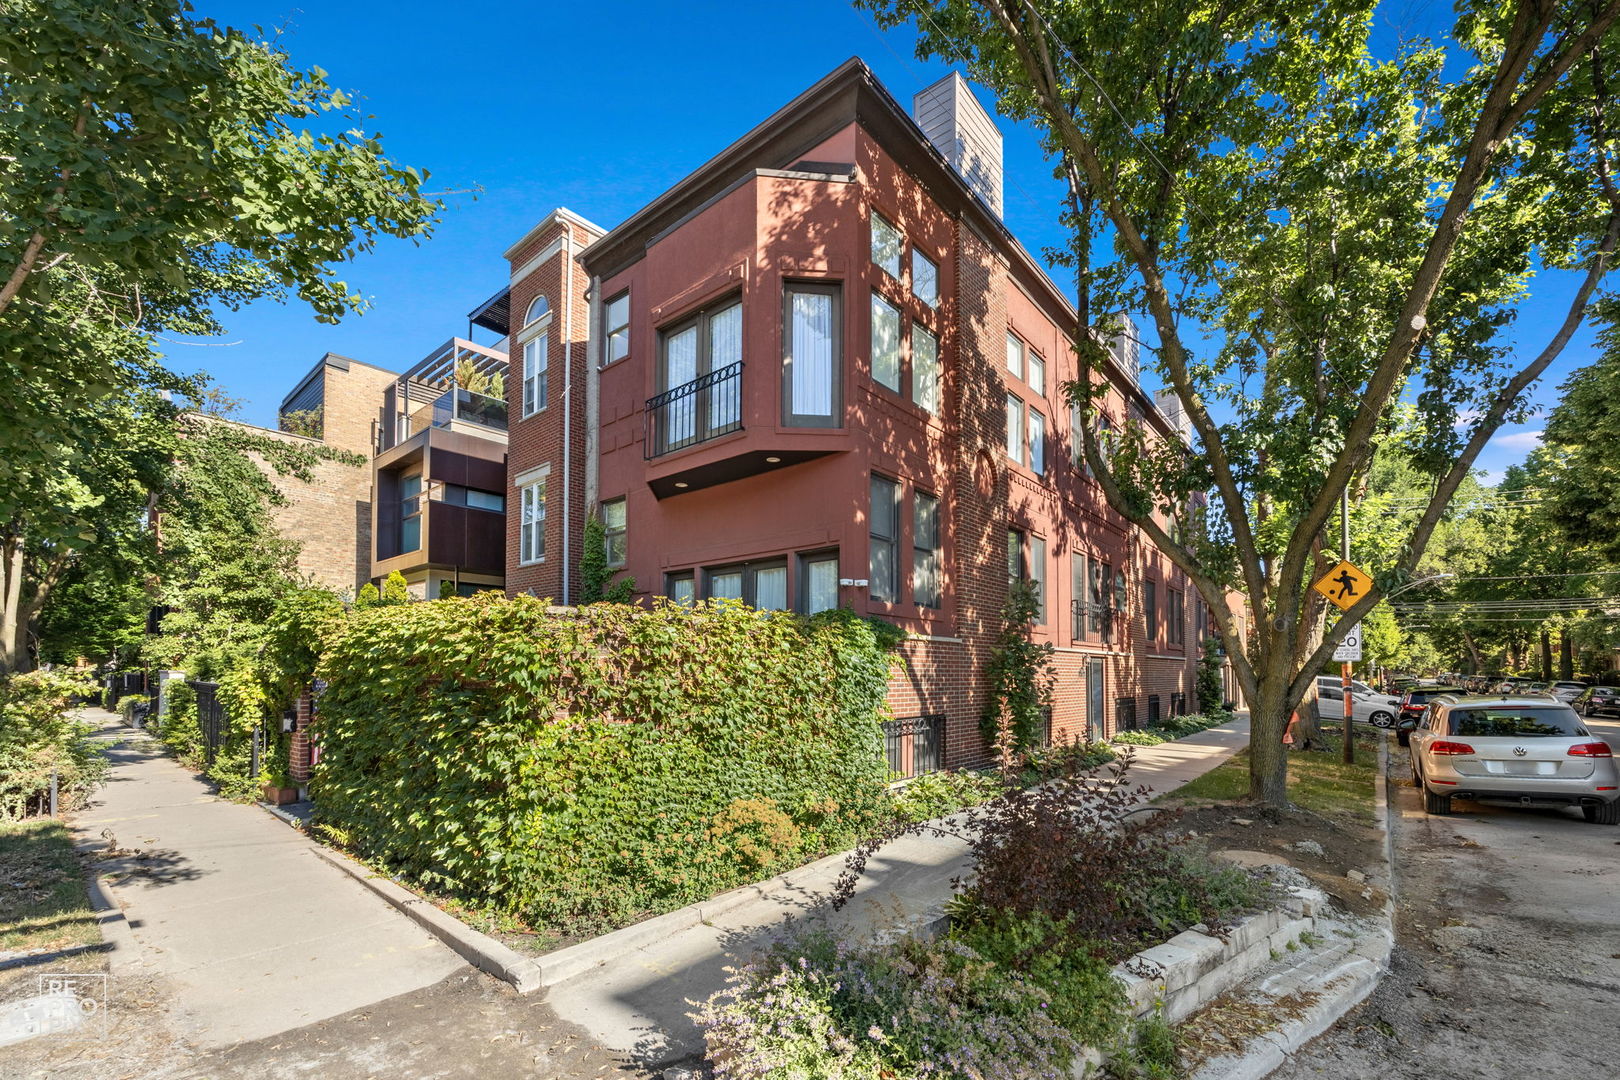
[{"x": 537, "y": 307}]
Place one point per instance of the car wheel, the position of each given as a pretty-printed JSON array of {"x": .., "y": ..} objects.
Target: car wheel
[
  {"x": 1603, "y": 814},
  {"x": 1439, "y": 805},
  {"x": 1381, "y": 719}
]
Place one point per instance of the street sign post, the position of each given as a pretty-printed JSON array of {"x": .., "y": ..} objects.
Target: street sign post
[
  {"x": 1344, "y": 584},
  {"x": 1349, "y": 650}
]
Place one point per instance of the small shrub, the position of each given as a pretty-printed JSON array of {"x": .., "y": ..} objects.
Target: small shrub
[
  {"x": 1022, "y": 678},
  {"x": 39, "y": 737},
  {"x": 129, "y": 703},
  {"x": 179, "y": 729},
  {"x": 817, "y": 1007},
  {"x": 1153, "y": 1053},
  {"x": 1139, "y": 738},
  {"x": 1067, "y": 758},
  {"x": 753, "y": 834},
  {"x": 936, "y": 794}
]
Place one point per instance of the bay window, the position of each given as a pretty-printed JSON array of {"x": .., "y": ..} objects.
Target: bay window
[
  {"x": 888, "y": 246},
  {"x": 924, "y": 368},
  {"x": 885, "y": 343},
  {"x": 707, "y": 343}
]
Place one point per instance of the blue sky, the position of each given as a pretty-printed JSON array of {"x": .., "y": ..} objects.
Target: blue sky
[{"x": 598, "y": 109}]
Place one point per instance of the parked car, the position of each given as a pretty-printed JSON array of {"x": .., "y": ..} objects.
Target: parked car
[
  {"x": 1527, "y": 749},
  {"x": 1567, "y": 691},
  {"x": 1374, "y": 709},
  {"x": 1411, "y": 707},
  {"x": 1357, "y": 687},
  {"x": 1598, "y": 701}
]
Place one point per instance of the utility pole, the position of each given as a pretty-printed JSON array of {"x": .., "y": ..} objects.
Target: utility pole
[{"x": 1349, "y": 756}]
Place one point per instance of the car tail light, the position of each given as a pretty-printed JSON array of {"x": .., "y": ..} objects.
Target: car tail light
[
  {"x": 1450, "y": 749},
  {"x": 1591, "y": 749}
]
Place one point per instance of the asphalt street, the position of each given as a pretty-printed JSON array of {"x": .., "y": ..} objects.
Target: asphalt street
[{"x": 1507, "y": 962}]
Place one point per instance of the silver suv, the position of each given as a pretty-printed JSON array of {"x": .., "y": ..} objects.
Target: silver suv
[{"x": 1526, "y": 749}]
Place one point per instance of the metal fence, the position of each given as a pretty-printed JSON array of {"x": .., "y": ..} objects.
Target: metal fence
[
  {"x": 215, "y": 726},
  {"x": 123, "y": 683},
  {"x": 915, "y": 744}
]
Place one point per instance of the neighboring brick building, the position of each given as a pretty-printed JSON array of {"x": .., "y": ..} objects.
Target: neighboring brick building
[
  {"x": 820, "y": 371},
  {"x": 337, "y": 403}
]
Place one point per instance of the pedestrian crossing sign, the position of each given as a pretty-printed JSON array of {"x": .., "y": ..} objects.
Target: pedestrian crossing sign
[{"x": 1344, "y": 585}]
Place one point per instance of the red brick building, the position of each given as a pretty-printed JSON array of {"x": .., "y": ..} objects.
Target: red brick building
[{"x": 820, "y": 371}]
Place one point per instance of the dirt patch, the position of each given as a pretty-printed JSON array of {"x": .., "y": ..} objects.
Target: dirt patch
[{"x": 1324, "y": 849}]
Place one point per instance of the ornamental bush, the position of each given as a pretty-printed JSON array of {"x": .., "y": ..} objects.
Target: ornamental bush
[
  {"x": 40, "y": 736},
  {"x": 584, "y": 769}
]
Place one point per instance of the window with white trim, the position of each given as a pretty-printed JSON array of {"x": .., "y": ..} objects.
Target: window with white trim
[
  {"x": 536, "y": 358},
  {"x": 1036, "y": 377},
  {"x": 1037, "y": 443},
  {"x": 1015, "y": 355},
  {"x": 532, "y": 527},
  {"x": 537, "y": 307}
]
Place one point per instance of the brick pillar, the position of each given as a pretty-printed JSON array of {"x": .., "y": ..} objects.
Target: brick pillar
[{"x": 298, "y": 753}]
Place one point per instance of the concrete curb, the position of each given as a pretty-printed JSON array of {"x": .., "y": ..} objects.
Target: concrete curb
[
  {"x": 115, "y": 929},
  {"x": 1344, "y": 986},
  {"x": 480, "y": 950}
]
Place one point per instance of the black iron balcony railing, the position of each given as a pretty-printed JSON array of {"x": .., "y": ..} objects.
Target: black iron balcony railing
[{"x": 706, "y": 408}]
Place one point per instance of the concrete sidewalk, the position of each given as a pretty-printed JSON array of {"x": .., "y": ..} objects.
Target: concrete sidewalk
[
  {"x": 636, "y": 1002},
  {"x": 256, "y": 935}
]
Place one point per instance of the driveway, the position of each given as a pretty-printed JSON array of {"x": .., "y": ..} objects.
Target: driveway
[{"x": 1507, "y": 961}]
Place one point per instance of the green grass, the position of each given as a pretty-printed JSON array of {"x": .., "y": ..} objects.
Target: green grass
[
  {"x": 1317, "y": 781},
  {"x": 43, "y": 900}
]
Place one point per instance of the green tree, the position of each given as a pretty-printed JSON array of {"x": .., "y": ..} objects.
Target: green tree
[
  {"x": 1316, "y": 234},
  {"x": 1020, "y": 671},
  {"x": 368, "y": 597}
]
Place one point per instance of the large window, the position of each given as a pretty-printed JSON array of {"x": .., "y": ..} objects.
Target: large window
[
  {"x": 456, "y": 495},
  {"x": 818, "y": 582},
  {"x": 613, "y": 531},
  {"x": 1037, "y": 373},
  {"x": 1078, "y": 582},
  {"x": 535, "y": 360},
  {"x": 410, "y": 512},
  {"x": 924, "y": 368},
  {"x": 706, "y": 343},
  {"x": 1037, "y": 443},
  {"x": 925, "y": 551},
  {"x": 1102, "y": 596},
  {"x": 532, "y": 526},
  {"x": 885, "y": 343},
  {"x": 1015, "y": 355},
  {"x": 883, "y": 575},
  {"x": 888, "y": 246},
  {"x": 1150, "y": 608},
  {"x": 681, "y": 588},
  {"x": 1015, "y": 555},
  {"x": 810, "y": 362},
  {"x": 924, "y": 278},
  {"x": 762, "y": 585},
  {"x": 1037, "y": 575},
  {"x": 616, "y": 328},
  {"x": 1015, "y": 427},
  {"x": 1175, "y": 612}
]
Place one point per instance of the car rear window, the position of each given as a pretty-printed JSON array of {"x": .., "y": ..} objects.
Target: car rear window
[{"x": 1516, "y": 723}]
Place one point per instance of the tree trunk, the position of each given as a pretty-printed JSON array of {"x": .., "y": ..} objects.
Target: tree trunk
[
  {"x": 11, "y": 577},
  {"x": 1546, "y": 657},
  {"x": 1566, "y": 655},
  {"x": 1475, "y": 666},
  {"x": 1268, "y": 720}
]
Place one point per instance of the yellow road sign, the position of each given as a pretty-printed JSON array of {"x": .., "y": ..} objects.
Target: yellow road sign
[{"x": 1344, "y": 585}]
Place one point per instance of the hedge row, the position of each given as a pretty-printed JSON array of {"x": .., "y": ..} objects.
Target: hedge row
[{"x": 583, "y": 770}]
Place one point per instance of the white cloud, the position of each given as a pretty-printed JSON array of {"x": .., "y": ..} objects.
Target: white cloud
[{"x": 1518, "y": 440}]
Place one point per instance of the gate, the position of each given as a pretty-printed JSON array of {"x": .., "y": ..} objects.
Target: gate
[{"x": 210, "y": 718}]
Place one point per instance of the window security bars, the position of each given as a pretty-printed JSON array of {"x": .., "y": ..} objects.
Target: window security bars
[{"x": 914, "y": 745}]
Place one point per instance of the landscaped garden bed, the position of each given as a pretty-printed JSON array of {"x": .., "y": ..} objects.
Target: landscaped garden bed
[{"x": 1068, "y": 880}]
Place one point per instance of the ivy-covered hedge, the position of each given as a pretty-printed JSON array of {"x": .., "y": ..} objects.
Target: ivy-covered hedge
[{"x": 581, "y": 770}]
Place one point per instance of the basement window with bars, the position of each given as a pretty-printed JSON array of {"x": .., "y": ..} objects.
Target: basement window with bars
[
  {"x": 914, "y": 745},
  {"x": 1125, "y": 714}
]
